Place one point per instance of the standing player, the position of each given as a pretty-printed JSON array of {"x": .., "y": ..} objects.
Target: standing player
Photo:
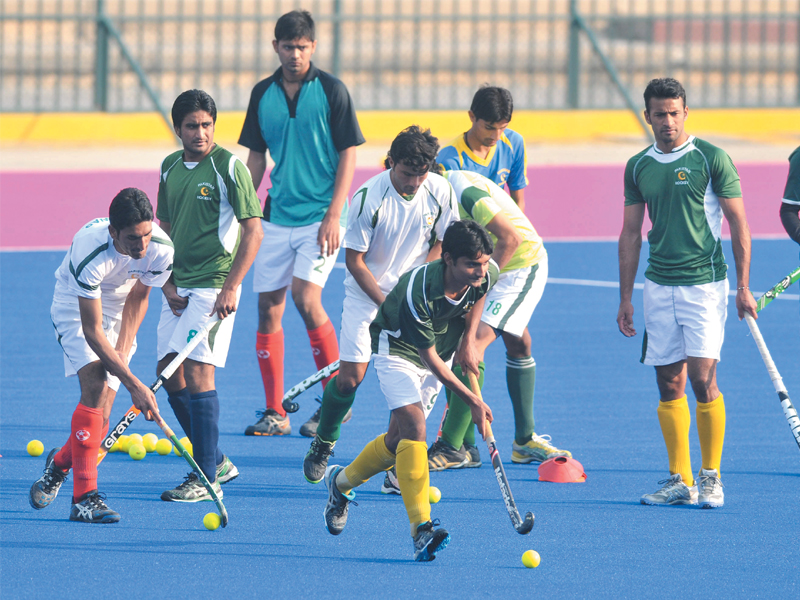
[
  {"x": 396, "y": 223},
  {"x": 207, "y": 203},
  {"x": 100, "y": 299},
  {"x": 790, "y": 207},
  {"x": 522, "y": 259},
  {"x": 687, "y": 185},
  {"x": 306, "y": 119},
  {"x": 489, "y": 147},
  {"x": 414, "y": 336}
]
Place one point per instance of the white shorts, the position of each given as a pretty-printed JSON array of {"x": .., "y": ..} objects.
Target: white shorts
[
  {"x": 175, "y": 332},
  {"x": 682, "y": 321},
  {"x": 288, "y": 252},
  {"x": 355, "y": 344},
  {"x": 69, "y": 334},
  {"x": 509, "y": 305},
  {"x": 404, "y": 383}
]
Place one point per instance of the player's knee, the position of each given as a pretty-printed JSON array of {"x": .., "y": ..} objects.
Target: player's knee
[{"x": 347, "y": 384}]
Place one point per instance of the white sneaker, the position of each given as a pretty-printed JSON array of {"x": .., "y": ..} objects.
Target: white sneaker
[
  {"x": 538, "y": 449},
  {"x": 710, "y": 489},
  {"x": 674, "y": 492}
]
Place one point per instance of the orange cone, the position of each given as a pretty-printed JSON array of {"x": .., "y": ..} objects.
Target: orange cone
[{"x": 562, "y": 469}]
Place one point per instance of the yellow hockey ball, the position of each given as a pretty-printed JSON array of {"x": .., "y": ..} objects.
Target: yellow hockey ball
[
  {"x": 211, "y": 521},
  {"x": 137, "y": 451},
  {"x": 434, "y": 495},
  {"x": 186, "y": 444},
  {"x": 531, "y": 559},
  {"x": 163, "y": 447},
  {"x": 35, "y": 448},
  {"x": 135, "y": 438},
  {"x": 124, "y": 443},
  {"x": 149, "y": 442},
  {"x": 114, "y": 447}
]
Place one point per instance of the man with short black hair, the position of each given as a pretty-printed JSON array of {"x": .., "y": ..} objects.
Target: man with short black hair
[
  {"x": 306, "y": 119},
  {"x": 100, "y": 299}
]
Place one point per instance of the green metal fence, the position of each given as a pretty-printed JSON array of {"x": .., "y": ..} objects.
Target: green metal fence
[{"x": 134, "y": 55}]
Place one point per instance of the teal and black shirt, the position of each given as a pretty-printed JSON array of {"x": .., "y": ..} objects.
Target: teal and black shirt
[{"x": 304, "y": 136}]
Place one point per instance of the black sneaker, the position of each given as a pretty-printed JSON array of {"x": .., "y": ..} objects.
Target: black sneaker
[
  {"x": 309, "y": 428},
  {"x": 269, "y": 423},
  {"x": 91, "y": 508},
  {"x": 336, "y": 509},
  {"x": 316, "y": 460},
  {"x": 474, "y": 457},
  {"x": 443, "y": 456},
  {"x": 390, "y": 485},
  {"x": 429, "y": 541},
  {"x": 45, "y": 489}
]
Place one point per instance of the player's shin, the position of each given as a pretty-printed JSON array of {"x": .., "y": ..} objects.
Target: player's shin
[
  {"x": 334, "y": 408},
  {"x": 325, "y": 347},
  {"x": 269, "y": 349},
  {"x": 373, "y": 459},
  {"x": 87, "y": 426},
  {"x": 459, "y": 417},
  {"x": 675, "y": 419},
  {"x": 180, "y": 401},
  {"x": 711, "y": 431},
  {"x": 521, "y": 381},
  {"x": 204, "y": 409},
  {"x": 414, "y": 480}
]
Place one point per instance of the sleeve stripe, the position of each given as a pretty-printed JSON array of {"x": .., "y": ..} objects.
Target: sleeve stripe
[
  {"x": 77, "y": 272},
  {"x": 410, "y": 290},
  {"x": 792, "y": 202}
]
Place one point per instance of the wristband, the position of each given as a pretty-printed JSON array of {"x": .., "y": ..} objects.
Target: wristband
[{"x": 743, "y": 288}]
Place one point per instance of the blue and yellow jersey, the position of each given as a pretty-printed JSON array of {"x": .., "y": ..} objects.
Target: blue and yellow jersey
[{"x": 506, "y": 163}]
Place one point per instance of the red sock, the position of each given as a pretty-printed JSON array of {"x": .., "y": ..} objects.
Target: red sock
[
  {"x": 325, "y": 347},
  {"x": 269, "y": 349},
  {"x": 63, "y": 458},
  {"x": 87, "y": 428}
]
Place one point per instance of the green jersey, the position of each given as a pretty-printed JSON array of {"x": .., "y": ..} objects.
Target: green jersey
[
  {"x": 417, "y": 314},
  {"x": 791, "y": 193},
  {"x": 682, "y": 191},
  {"x": 203, "y": 203}
]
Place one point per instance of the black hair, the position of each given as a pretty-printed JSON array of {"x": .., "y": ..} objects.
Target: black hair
[
  {"x": 295, "y": 25},
  {"x": 191, "y": 101},
  {"x": 466, "y": 238},
  {"x": 665, "y": 87},
  {"x": 130, "y": 207},
  {"x": 492, "y": 104},
  {"x": 415, "y": 147}
]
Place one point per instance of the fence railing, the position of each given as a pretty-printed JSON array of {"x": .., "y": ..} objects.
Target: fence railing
[{"x": 131, "y": 55}]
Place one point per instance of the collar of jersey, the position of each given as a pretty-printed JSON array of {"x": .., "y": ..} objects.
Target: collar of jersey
[
  {"x": 678, "y": 149},
  {"x": 311, "y": 74},
  {"x": 484, "y": 162}
]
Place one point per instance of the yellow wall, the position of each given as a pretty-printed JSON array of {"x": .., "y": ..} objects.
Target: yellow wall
[{"x": 763, "y": 125}]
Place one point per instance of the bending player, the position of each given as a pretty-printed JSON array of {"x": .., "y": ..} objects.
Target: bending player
[
  {"x": 397, "y": 221},
  {"x": 687, "y": 185},
  {"x": 522, "y": 259},
  {"x": 790, "y": 207},
  {"x": 100, "y": 299},
  {"x": 306, "y": 119},
  {"x": 417, "y": 330},
  {"x": 207, "y": 203},
  {"x": 489, "y": 147}
]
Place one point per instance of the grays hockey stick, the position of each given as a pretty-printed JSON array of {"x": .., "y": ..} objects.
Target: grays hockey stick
[
  {"x": 777, "y": 289},
  {"x": 521, "y": 526},
  {"x": 291, "y": 407},
  {"x": 169, "y": 370},
  {"x": 788, "y": 410}
]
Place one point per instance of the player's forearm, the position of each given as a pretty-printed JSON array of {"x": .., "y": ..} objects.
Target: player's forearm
[
  {"x": 518, "y": 196},
  {"x": 342, "y": 183},
  {"x": 790, "y": 217},
  {"x": 257, "y": 165},
  {"x": 740, "y": 242},
  {"x": 630, "y": 245},
  {"x": 472, "y": 320},
  {"x": 113, "y": 363},
  {"x": 252, "y": 234},
  {"x": 132, "y": 316},
  {"x": 363, "y": 276}
]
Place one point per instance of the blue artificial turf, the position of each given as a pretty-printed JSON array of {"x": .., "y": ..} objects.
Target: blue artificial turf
[{"x": 592, "y": 396}]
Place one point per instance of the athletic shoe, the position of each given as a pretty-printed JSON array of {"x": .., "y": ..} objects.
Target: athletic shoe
[
  {"x": 309, "y": 428},
  {"x": 269, "y": 423},
  {"x": 474, "y": 457},
  {"x": 316, "y": 460},
  {"x": 191, "y": 490},
  {"x": 442, "y": 455},
  {"x": 336, "y": 509},
  {"x": 45, "y": 489},
  {"x": 674, "y": 493},
  {"x": 390, "y": 484},
  {"x": 709, "y": 487},
  {"x": 429, "y": 541},
  {"x": 91, "y": 508},
  {"x": 538, "y": 449},
  {"x": 226, "y": 470}
]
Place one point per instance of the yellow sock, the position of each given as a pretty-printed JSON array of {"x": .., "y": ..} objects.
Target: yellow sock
[
  {"x": 414, "y": 481},
  {"x": 675, "y": 419},
  {"x": 374, "y": 458},
  {"x": 711, "y": 430}
]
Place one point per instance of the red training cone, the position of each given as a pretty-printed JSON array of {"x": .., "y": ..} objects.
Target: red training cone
[{"x": 562, "y": 470}]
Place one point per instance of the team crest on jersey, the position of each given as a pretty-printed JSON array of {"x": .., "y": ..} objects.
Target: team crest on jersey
[
  {"x": 682, "y": 176},
  {"x": 204, "y": 191},
  {"x": 502, "y": 175},
  {"x": 429, "y": 219}
]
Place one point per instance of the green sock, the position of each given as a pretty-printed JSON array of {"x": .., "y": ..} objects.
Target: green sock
[
  {"x": 331, "y": 415},
  {"x": 458, "y": 422},
  {"x": 521, "y": 380}
]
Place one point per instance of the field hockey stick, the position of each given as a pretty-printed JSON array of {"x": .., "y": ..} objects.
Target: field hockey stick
[
  {"x": 521, "y": 526},
  {"x": 291, "y": 407},
  {"x": 198, "y": 471},
  {"x": 777, "y": 289},
  {"x": 788, "y": 410},
  {"x": 169, "y": 370}
]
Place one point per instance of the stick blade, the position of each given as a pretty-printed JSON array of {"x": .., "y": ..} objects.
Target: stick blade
[{"x": 526, "y": 526}]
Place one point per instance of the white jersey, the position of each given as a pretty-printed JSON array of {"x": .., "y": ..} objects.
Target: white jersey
[
  {"x": 94, "y": 269},
  {"x": 394, "y": 233}
]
